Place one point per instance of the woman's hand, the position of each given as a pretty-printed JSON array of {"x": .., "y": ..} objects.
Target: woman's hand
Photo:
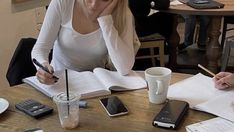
[
  {"x": 44, "y": 77},
  {"x": 224, "y": 80},
  {"x": 109, "y": 8}
]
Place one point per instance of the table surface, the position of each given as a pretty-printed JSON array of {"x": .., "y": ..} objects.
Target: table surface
[
  {"x": 93, "y": 118},
  {"x": 184, "y": 9}
]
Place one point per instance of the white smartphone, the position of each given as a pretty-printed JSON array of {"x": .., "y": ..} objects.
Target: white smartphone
[{"x": 114, "y": 106}]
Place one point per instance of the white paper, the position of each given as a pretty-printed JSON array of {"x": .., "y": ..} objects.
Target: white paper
[
  {"x": 220, "y": 106},
  {"x": 194, "y": 90},
  {"x": 213, "y": 125},
  {"x": 200, "y": 93},
  {"x": 118, "y": 82}
]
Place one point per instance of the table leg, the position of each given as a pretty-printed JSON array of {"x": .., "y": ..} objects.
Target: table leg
[
  {"x": 173, "y": 44},
  {"x": 213, "y": 52}
]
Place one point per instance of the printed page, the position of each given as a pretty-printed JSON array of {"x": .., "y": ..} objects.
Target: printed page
[
  {"x": 213, "y": 125},
  {"x": 220, "y": 106},
  {"x": 114, "y": 81},
  {"x": 84, "y": 83},
  {"x": 195, "y": 90}
]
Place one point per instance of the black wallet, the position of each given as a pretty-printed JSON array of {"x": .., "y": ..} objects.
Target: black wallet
[
  {"x": 205, "y": 4},
  {"x": 171, "y": 114}
]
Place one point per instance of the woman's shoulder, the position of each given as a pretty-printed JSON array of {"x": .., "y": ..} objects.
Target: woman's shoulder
[{"x": 64, "y": 6}]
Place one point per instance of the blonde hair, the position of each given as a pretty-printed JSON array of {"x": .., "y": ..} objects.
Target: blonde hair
[{"x": 119, "y": 15}]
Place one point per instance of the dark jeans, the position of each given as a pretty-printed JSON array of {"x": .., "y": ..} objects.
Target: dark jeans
[{"x": 190, "y": 23}]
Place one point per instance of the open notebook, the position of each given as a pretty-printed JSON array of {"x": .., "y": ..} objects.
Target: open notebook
[
  {"x": 200, "y": 93},
  {"x": 90, "y": 84}
]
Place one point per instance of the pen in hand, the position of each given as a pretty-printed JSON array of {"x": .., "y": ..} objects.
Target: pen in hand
[
  {"x": 211, "y": 73},
  {"x": 208, "y": 71},
  {"x": 43, "y": 68}
]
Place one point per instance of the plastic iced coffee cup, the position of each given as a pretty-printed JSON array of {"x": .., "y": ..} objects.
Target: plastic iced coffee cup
[{"x": 68, "y": 109}]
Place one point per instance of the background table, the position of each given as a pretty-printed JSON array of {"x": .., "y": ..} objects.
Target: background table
[
  {"x": 213, "y": 48},
  {"x": 94, "y": 118}
]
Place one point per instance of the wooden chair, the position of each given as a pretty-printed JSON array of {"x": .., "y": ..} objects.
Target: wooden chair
[
  {"x": 226, "y": 20},
  {"x": 152, "y": 42},
  {"x": 226, "y": 52}
]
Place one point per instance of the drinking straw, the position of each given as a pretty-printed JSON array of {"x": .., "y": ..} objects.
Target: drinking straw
[{"x": 67, "y": 90}]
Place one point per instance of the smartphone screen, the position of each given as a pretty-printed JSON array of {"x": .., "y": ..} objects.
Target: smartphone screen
[{"x": 114, "y": 106}]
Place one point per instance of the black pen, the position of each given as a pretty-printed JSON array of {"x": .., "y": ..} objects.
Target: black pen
[{"x": 43, "y": 68}]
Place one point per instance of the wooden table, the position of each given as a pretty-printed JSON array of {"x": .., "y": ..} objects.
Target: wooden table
[
  {"x": 93, "y": 118},
  {"x": 213, "y": 51}
]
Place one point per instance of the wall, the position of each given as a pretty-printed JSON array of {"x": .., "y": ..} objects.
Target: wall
[{"x": 13, "y": 26}]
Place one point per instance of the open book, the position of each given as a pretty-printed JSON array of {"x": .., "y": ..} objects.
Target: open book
[
  {"x": 90, "y": 84},
  {"x": 200, "y": 93}
]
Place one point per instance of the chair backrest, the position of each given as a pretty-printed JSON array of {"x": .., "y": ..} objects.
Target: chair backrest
[
  {"x": 21, "y": 65},
  {"x": 226, "y": 20},
  {"x": 229, "y": 43},
  {"x": 151, "y": 42}
]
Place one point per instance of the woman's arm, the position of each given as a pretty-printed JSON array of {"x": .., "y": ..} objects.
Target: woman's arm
[
  {"x": 49, "y": 32},
  {"x": 45, "y": 41},
  {"x": 120, "y": 47}
]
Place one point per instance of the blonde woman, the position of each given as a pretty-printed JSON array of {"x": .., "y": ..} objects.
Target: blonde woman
[{"x": 83, "y": 35}]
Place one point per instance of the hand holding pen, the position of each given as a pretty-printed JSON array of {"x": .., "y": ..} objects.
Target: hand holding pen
[
  {"x": 222, "y": 80},
  {"x": 45, "y": 75}
]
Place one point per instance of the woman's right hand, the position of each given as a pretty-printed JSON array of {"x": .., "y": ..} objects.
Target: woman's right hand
[{"x": 45, "y": 77}]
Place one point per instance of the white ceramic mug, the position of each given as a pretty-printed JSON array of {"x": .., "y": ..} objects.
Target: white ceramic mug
[{"x": 158, "y": 80}]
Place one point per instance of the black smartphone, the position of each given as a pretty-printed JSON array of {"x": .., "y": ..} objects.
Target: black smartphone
[
  {"x": 114, "y": 106},
  {"x": 171, "y": 114}
]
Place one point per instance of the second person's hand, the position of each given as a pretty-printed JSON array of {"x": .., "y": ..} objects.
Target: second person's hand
[{"x": 224, "y": 80}]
